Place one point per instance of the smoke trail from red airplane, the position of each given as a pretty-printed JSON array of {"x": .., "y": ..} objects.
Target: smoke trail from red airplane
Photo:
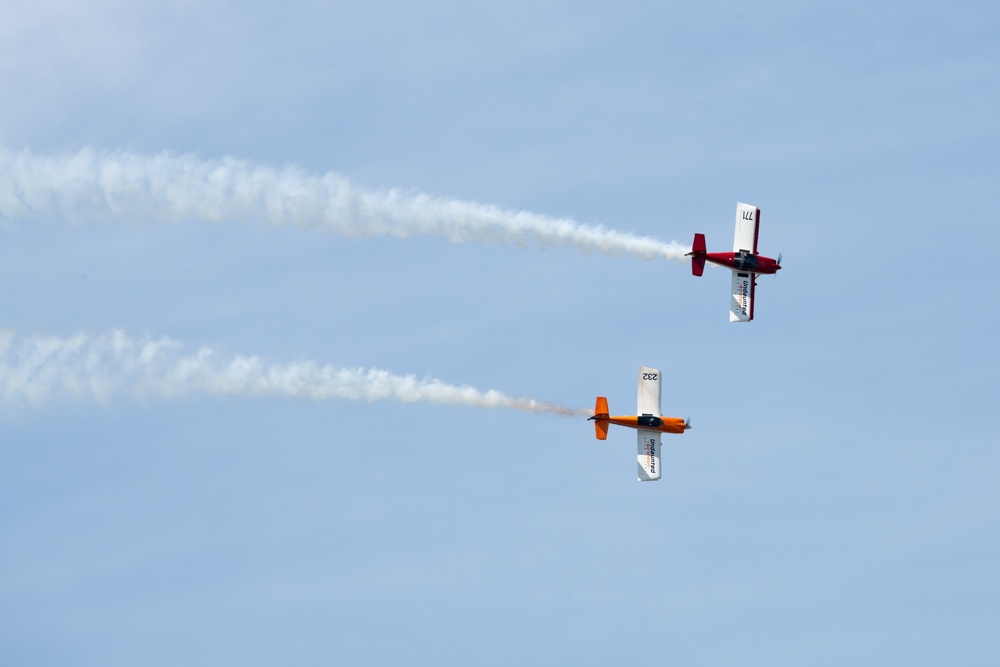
[
  {"x": 134, "y": 188},
  {"x": 36, "y": 369}
]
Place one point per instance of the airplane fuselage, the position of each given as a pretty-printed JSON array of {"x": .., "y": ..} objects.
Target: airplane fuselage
[
  {"x": 646, "y": 423},
  {"x": 743, "y": 261}
]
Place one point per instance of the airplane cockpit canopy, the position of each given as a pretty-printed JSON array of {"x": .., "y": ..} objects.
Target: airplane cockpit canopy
[{"x": 745, "y": 261}]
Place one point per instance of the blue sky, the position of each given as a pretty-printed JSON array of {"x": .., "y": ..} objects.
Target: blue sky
[{"x": 836, "y": 500}]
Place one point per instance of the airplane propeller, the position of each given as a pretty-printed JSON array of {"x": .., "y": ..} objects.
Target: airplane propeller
[{"x": 779, "y": 259}]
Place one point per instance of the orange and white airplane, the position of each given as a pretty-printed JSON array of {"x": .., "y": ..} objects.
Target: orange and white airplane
[{"x": 649, "y": 423}]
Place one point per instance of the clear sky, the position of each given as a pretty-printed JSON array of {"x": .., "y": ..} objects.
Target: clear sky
[{"x": 836, "y": 501}]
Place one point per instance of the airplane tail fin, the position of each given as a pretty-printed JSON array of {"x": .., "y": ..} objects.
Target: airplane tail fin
[
  {"x": 697, "y": 255},
  {"x": 600, "y": 418}
]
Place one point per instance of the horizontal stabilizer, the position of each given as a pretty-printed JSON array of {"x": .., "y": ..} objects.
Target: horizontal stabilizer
[
  {"x": 698, "y": 247},
  {"x": 601, "y": 407},
  {"x": 600, "y": 418},
  {"x": 697, "y": 255}
]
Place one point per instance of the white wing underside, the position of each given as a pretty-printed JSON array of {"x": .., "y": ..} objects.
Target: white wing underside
[
  {"x": 649, "y": 456},
  {"x": 747, "y": 222},
  {"x": 745, "y": 239},
  {"x": 741, "y": 301},
  {"x": 649, "y": 391}
]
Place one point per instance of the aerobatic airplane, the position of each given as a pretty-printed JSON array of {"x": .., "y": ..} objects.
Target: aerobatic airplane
[
  {"x": 648, "y": 422},
  {"x": 743, "y": 260}
]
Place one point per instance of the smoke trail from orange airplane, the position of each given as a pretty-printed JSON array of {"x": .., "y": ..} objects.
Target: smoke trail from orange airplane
[
  {"x": 38, "y": 368},
  {"x": 134, "y": 188}
]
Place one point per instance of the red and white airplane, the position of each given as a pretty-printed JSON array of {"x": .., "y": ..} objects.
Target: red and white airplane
[
  {"x": 648, "y": 422},
  {"x": 743, "y": 260}
]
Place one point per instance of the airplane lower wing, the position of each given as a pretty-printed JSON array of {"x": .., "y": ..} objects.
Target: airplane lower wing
[
  {"x": 741, "y": 305},
  {"x": 649, "y": 456}
]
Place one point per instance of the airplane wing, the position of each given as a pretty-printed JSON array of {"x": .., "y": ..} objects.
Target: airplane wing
[
  {"x": 747, "y": 222},
  {"x": 649, "y": 391},
  {"x": 649, "y": 456},
  {"x": 741, "y": 304}
]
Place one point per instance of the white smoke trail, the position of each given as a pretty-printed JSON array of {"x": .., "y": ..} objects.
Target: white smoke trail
[
  {"x": 37, "y": 368},
  {"x": 133, "y": 188}
]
